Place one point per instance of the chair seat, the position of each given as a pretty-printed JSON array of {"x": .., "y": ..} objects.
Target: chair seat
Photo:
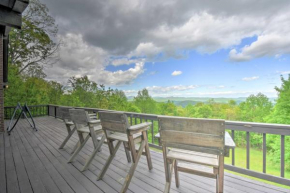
[
  {"x": 122, "y": 136},
  {"x": 194, "y": 157},
  {"x": 87, "y": 130},
  {"x": 69, "y": 123}
]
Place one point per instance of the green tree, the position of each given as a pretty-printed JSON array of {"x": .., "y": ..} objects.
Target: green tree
[
  {"x": 145, "y": 102},
  {"x": 281, "y": 113},
  {"x": 256, "y": 108},
  {"x": 34, "y": 45}
]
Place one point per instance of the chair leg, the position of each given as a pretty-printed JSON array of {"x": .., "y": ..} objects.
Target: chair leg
[
  {"x": 221, "y": 173},
  {"x": 79, "y": 149},
  {"x": 132, "y": 168},
  {"x": 94, "y": 153},
  {"x": 147, "y": 151},
  {"x": 217, "y": 184},
  {"x": 177, "y": 182},
  {"x": 75, "y": 147},
  {"x": 168, "y": 183},
  {"x": 70, "y": 133},
  {"x": 109, "y": 160},
  {"x": 127, "y": 153},
  {"x": 166, "y": 165}
]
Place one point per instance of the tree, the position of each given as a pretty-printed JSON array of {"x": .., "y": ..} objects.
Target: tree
[
  {"x": 281, "y": 112},
  {"x": 145, "y": 102},
  {"x": 34, "y": 45},
  {"x": 256, "y": 108}
]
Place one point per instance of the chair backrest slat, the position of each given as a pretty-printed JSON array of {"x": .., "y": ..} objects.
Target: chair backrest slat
[
  {"x": 64, "y": 113},
  {"x": 79, "y": 116},
  {"x": 114, "y": 121},
  {"x": 203, "y": 135}
]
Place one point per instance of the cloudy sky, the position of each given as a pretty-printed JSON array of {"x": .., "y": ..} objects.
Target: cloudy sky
[{"x": 216, "y": 48}]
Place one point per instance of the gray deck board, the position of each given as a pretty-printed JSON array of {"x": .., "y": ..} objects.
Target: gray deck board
[{"x": 31, "y": 162}]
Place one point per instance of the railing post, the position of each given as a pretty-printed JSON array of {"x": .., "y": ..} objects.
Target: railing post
[
  {"x": 264, "y": 153},
  {"x": 152, "y": 132},
  {"x": 47, "y": 110},
  {"x": 282, "y": 155},
  {"x": 233, "y": 150},
  {"x": 55, "y": 112},
  {"x": 248, "y": 150}
]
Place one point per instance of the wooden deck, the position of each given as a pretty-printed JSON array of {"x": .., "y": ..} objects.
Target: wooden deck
[{"x": 31, "y": 162}]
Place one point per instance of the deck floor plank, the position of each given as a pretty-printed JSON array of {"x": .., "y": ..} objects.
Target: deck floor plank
[{"x": 31, "y": 162}]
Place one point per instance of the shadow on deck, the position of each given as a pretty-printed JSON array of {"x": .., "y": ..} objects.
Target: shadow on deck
[{"x": 31, "y": 162}]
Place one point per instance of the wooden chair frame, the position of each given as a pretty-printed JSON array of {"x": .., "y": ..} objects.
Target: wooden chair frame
[
  {"x": 91, "y": 128},
  {"x": 117, "y": 128},
  {"x": 204, "y": 145},
  {"x": 64, "y": 112}
]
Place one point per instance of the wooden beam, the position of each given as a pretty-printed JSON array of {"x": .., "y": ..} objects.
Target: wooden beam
[
  {"x": 20, "y": 6},
  {"x": 10, "y": 18}
]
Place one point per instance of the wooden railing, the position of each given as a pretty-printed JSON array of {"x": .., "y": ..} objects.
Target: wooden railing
[
  {"x": 36, "y": 111},
  {"x": 233, "y": 126}
]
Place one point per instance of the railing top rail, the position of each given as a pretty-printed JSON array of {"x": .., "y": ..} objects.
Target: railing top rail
[
  {"x": 269, "y": 128},
  {"x": 27, "y": 105}
]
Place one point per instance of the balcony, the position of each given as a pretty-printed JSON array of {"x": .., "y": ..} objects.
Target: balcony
[{"x": 31, "y": 161}]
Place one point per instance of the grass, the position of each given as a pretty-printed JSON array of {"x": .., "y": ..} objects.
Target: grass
[{"x": 256, "y": 164}]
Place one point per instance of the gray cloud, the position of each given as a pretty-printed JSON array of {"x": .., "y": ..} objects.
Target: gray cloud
[{"x": 135, "y": 29}]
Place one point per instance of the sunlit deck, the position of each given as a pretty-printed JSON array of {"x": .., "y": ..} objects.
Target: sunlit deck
[{"x": 31, "y": 162}]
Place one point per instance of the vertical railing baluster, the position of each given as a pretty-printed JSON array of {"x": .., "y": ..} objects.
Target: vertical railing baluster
[
  {"x": 131, "y": 119},
  {"x": 248, "y": 150},
  {"x": 152, "y": 132},
  {"x": 233, "y": 150},
  {"x": 282, "y": 155},
  {"x": 264, "y": 152},
  {"x": 135, "y": 120}
]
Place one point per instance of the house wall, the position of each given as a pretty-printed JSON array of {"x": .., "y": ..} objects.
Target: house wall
[{"x": 1, "y": 86}]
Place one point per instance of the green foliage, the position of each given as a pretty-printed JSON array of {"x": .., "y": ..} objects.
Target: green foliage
[
  {"x": 145, "y": 102},
  {"x": 255, "y": 108},
  {"x": 33, "y": 46}
]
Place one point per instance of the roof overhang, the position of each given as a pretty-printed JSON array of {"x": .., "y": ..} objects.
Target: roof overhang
[{"x": 11, "y": 14}]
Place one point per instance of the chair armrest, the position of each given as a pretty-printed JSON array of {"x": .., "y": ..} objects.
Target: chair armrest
[
  {"x": 94, "y": 123},
  {"x": 139, "y": 128}
]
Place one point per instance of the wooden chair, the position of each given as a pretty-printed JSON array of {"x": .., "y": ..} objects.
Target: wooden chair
[
  {"x": 117, "y": 128},
  {"x": 65, "y": 116},
  {"x": 86, "y": 126},
  {"x": 193, "y": 146}
]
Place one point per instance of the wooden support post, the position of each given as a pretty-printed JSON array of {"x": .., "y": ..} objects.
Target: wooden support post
[{"x": 1, "y": 86}]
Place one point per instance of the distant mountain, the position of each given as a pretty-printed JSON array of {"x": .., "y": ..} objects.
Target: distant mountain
[{"x": 184, "y": 101}]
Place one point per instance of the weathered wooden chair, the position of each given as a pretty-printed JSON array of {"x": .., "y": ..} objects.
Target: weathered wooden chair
[
  {"x": 86, "y": 126},
  {"x": 65, "y": 116},
  {"x": 117, "y": 128},
  {"x": 193, "y": 146}
]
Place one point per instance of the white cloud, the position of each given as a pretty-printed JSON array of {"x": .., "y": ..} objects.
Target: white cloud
[
  {"x": 146, "y": 49},
  {"x": 283, "y": 72},
  {"x": 162, "y": 89},
  {"x": 176, "y": 73},
  {"x": 77, "y": 58},
  {"x": 125, "y": 61},
  {"x": 250, "y": 78}
]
